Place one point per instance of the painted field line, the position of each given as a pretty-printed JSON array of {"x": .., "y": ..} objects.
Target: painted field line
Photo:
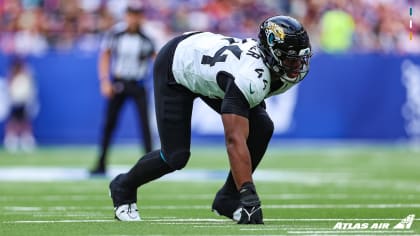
[
  {"x": 165, "y": 221},
  {"x": 210, "y": 226},
  {"x": 54, "y": 174},
  {"x": 206, "y": 220},
  {"x": 294, "y": 206},
  {"x": 261, "y": 229},
  {"x": 346, "y": 206},
  {"x": 51, "y": 198},
  {"x": 281, "y": 228},
  {"x": 189, "y": 220},
  {"x": 211, "y": 196},
  {"x": 207, "y": 207},
  {"x": 22, "y": 208},
  {"x": 54, "y": 221},
  {"x": 277, "y": 219},
  {"x": 281, "y": 196},
  {"x": 291, "y": 196},
  {"x": 338, "y": 219},
  {"x": 343, "y": 196},
  {"x": 191, "y": 223},
  {"x": 351, "y": 232}
]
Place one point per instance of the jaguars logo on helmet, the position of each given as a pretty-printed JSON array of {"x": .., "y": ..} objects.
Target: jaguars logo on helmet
[{"x": 274, "y": 33}]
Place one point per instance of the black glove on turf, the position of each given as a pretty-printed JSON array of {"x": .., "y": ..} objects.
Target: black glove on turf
[{"x": 250, "y": 205}]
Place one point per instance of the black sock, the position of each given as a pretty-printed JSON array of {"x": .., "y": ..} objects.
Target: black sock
[{"x": 148, "y": 168}]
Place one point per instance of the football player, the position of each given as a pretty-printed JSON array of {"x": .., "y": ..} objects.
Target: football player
[{"x": 233, "y": 76}]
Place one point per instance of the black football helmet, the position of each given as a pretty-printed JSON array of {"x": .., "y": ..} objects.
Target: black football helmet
[{"x": 286, "y": 48}]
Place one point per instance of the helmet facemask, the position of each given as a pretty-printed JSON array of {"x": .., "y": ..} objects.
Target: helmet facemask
[{"x": 292, "y": 68}]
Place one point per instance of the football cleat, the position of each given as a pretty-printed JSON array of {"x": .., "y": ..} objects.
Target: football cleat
[
  {"x": 127, "y": 212},
  {"x": 250, "y": 212},
  {"x": 225, "y": 204}
]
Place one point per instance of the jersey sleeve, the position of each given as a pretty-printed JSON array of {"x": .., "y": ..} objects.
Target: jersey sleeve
[
  {"x": 234, "y": 102},
  {"x": 253, "y": 83}
]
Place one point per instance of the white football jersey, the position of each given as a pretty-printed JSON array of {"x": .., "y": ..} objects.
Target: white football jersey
[{"x": 199, "y": 58}]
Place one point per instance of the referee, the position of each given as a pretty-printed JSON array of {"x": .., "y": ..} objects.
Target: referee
[{"x": 123, "y": 63}]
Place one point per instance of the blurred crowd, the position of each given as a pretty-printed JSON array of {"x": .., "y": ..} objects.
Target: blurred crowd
[{"x": 35, "y": 26}]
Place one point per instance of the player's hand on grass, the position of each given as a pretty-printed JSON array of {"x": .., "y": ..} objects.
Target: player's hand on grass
[{"x": 250, "y": 208}]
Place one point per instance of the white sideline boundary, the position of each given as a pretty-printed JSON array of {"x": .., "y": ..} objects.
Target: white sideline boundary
[
  {"x": 54, "y": 174},
  {"x": 48, "y": 174},
  {"x": 201, "y": 207},
  {"x": 54, "y": 221},
  {"x": 202, "y": 220},
  {"x": 280, "y": 196}
]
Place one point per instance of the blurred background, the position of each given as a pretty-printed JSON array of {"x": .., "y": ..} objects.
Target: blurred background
[{"x": 364, "y": 83}]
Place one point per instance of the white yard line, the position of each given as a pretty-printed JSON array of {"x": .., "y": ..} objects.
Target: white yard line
[
  {"x": 335, "y": 232},
  {"x": 53, "y": 221},
  {"x": 192, "y": 196},
  {"x": 22, "y": 208},
  {"x": 210, "y": 222},
  {"x": 280, "y": 219},
  {"x": 200, "y": 207},
  {"x": 347, "y": 206},
  {"x": 338, "y": 219},
  {"x": 292, "y": 206}
]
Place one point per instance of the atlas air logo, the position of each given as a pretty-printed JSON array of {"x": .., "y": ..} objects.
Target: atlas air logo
[
  {"x": 406, "y": 222},
  {"x": 403, "y": 225}
]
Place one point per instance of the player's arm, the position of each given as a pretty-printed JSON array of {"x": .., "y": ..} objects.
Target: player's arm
[
  {"x": 103, "y": 71},
  {"x": 236, "y": 134},
  {"x": 235, "y": 110},
  {"x": 104, "y": 62}
]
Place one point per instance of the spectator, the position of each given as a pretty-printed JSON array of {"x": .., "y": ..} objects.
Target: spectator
[
  {"x": 22, "y": 96},
  {"x": 337, "y": 31},
  {"x": 379, "y": 26}
]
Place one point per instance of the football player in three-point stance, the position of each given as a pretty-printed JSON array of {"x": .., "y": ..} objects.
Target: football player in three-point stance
[{"x": 233, "y": 76}]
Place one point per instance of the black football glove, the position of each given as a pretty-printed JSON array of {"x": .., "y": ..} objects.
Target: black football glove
[{"x": 250, "y": 205}]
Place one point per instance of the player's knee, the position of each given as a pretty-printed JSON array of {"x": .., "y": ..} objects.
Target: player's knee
[{"x": 178, "y": 159}]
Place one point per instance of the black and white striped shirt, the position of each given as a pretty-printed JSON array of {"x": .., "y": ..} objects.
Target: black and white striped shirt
[{"x": 131, "y": 52}]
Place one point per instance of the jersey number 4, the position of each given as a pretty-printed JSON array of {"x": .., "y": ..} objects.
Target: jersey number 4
[{"x": 220, "y": 57}]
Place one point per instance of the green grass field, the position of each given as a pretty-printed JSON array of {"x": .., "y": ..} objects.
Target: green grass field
[{"x": 304, "y": 191}]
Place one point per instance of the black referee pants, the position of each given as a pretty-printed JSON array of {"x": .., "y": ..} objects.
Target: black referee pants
[{"x": 125, "y": 89}]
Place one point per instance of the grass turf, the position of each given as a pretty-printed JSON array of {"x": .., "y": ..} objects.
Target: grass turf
[{"x": 315, "y": 189}]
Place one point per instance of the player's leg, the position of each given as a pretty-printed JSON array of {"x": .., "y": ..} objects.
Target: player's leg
[
  {"x": 173, "y": 113},
  {"x": 112, "y": 114},
  {"x": 28, "y": 142},
  {"x": 260, "y": 131},
  {"x": 12, "y": 132},
  {"x": 140, "y": 98}
]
